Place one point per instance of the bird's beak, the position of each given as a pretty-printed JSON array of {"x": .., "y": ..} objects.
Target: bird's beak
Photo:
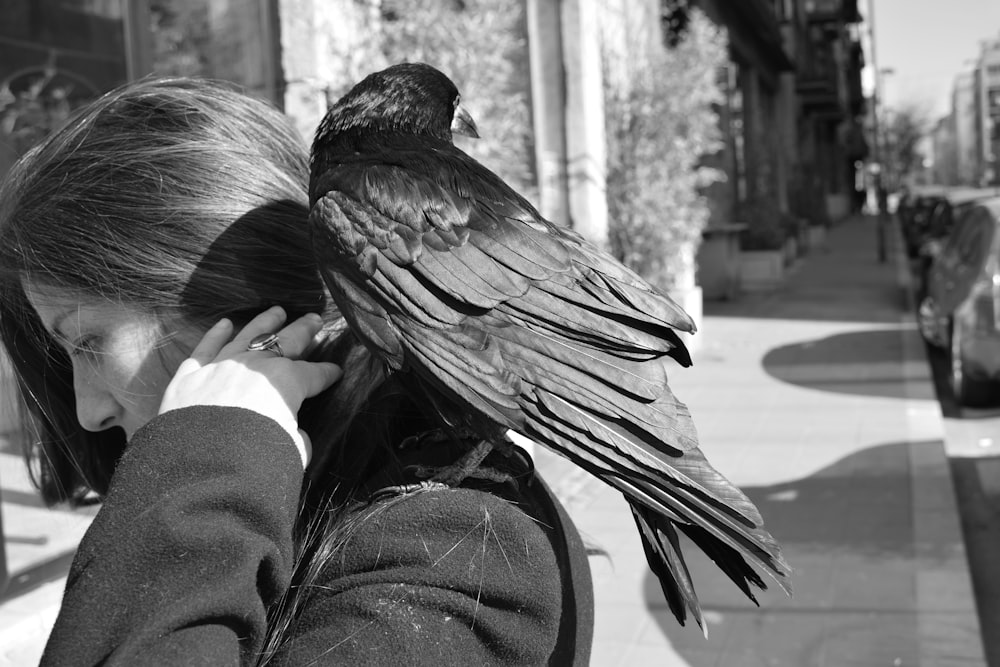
[{"x": 463, "y": 124}]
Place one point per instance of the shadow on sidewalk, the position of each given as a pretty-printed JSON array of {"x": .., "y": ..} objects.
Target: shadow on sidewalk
[
  {"x": 848, "y": 533},
  {"x": 866, "y": 363}
]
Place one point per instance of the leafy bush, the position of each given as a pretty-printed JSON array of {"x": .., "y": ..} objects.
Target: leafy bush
[
  {"x": 661, "y": 120},
  {"x": 762, "y": 238},
  {"x": 767, "y": 224},
  {"x": 791, "y": 225},
  {"x": 482, "y": 45},
  {"x": 180, "y": 36}
]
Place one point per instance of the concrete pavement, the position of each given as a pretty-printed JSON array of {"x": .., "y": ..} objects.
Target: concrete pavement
[
  {"x": 39, "y": 544},
  {"x": 816, "y": 399}
]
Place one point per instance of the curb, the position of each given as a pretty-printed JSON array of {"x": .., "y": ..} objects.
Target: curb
[{"x": 949, "y": 627}]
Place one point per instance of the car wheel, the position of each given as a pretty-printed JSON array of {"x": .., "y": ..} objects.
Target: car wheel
[{"x": 968, "y": 391}]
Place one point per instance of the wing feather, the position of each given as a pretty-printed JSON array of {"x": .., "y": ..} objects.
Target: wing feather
[
  {"x": 519, "y": 249},
  {"x": 465, "y": 371},
  {"x": 470, "y": 276},
  {"x": 581, "y": 366},
  {"x": 626, "y": 333},
  {"x": 405, "y": 292}
]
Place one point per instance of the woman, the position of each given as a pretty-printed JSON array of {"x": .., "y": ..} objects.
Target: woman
[{"x": 149, "y": 250}]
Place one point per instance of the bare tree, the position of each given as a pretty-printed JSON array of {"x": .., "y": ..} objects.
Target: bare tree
[{"x": 904, "y": 130}]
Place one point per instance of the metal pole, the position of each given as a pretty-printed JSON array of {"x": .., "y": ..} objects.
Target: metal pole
[
  {"x": 876, "y": 93},
  {"x": 881, "y": 222}
]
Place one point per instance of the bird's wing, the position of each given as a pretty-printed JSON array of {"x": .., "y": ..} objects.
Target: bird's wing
[
  {"x": 411, "y": 261},
  {"x": 444, "y": 269},
  {"x": 442, "y": 242}
]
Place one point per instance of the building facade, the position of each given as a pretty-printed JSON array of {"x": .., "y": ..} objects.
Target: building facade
[
  {"x": 944, "y": 146},
  {"x": 988, "y": 112},
  {"x": 829, "y": 57},
  {"x": 963, "y": 114},
  {"x": 55, "y": 56},
  {"x": 791, "y": 118},
  {"x": 975, "y": 110}
]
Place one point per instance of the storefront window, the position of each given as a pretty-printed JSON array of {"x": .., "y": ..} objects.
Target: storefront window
[{"x": 54, "y": 56}]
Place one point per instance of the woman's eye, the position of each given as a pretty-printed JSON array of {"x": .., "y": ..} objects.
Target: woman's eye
[{"x": 85, "y": 345}]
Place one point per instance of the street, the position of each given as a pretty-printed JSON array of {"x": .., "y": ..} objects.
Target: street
[{"x": 972, "y": 438}]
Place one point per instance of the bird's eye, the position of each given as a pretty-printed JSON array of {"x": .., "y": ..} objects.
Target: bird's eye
[{"x": 458, "y": 100}]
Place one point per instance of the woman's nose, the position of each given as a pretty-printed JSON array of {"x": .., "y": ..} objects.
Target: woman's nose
[{"x": 96, "y": 407}]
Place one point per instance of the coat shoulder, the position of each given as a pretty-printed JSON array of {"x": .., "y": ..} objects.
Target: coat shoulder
[
  {"x": 460, "y": 538},
  {"x": 457, "y": 576}
]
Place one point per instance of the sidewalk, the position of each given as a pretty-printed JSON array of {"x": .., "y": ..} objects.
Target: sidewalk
[
  {"x": 39, "y": 545},
  {"x": 817, "y": 400}
]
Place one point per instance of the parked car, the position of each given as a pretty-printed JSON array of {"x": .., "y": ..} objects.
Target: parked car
[
  {"x": 945, "y": 210},
  {"x": 961, "y": 310},
  {"x": 951, "y": 206}
]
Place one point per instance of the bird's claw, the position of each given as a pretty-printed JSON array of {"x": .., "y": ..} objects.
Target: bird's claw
[{"x": 403, "y": 489}]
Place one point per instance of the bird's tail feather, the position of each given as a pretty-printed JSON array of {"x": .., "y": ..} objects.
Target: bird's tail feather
[
  {"x": 663, "y": 553},
  {"x": 727, "y": 525},
  {"x": 685, "y": 487},
  {"x": 728, "y": 560}
]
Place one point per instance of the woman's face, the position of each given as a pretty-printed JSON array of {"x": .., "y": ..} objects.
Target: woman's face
[{"x": 122, "y": 361}]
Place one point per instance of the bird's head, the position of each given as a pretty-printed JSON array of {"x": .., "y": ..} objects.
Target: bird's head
[{"x": 408, "y": 98}]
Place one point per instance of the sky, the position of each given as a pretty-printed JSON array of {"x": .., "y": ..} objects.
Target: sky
[{"x": 927, "y": 43}]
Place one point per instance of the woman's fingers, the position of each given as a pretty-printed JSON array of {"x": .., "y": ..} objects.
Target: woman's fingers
[
  {"x": 294, "y": 339},
  {"x": 267, "y": 322},
  {"x": 212, "y": 342},
  {"x": 223, "y": 372},
  {"x": 318, "y": 375}
]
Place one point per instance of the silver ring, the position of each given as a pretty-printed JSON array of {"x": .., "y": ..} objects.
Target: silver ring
[{"x": 265, "y": 343}]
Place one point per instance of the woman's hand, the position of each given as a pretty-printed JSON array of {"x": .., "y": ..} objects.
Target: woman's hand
[{"x": 221, "y": 371}]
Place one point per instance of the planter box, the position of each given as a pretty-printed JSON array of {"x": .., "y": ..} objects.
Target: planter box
[
  {"x": 838, "y": 206},
  {"x": 719, "y": 261},
  {"x": 817, "y": 237},
  {"x": 803, "y": 238},
  {"x": 761, "y": 270},
  {"x": 791, "y": 250}
]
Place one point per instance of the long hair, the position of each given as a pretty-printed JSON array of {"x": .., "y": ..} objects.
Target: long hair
[
  {"x": 188, "y": 200},
  {"x": 183, "y": 198}
]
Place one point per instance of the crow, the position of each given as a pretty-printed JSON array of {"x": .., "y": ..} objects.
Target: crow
[{"x": 509, "y": 322}]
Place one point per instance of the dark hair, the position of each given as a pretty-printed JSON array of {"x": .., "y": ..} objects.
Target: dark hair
[
  {"x": 181, "y": 197},
  {"x": 188, "y": 200}
]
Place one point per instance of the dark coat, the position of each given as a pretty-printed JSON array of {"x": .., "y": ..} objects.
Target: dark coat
[{"x": 194, "y": 544}]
